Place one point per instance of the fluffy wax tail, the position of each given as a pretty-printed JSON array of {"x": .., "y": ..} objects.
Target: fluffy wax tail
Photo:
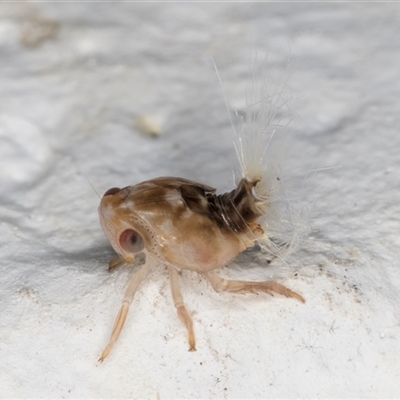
[{"x": 263, "y": 134}]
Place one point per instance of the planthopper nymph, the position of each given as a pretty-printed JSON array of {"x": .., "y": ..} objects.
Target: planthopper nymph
[{"x": 182, "y": 224}]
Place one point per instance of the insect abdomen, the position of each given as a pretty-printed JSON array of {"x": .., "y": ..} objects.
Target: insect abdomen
[{"x": 234, "y": 211}]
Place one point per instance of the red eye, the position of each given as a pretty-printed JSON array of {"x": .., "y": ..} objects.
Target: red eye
[
  {"x": 131, "y": 241},
  {"x": 112, "y": 191}
]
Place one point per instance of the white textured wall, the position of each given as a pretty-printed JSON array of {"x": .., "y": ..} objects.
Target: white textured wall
[{"x": 73, "y": 77}]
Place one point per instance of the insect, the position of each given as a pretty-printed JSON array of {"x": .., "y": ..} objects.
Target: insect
[{"x": 183, "y": 224}]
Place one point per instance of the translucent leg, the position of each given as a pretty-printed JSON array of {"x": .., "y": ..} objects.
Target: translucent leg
[
  {"x": 126, "y": 302},
  {"x": 115, "y": 262},
  {"x": 180, "y": 307},
  {"x": 270, "y": 287}
]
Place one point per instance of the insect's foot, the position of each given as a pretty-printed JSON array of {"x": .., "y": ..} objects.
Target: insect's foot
[
  {"x": 192, "y": 342},
  {"x": 283, "y": 290},
  {"x": 115, "y": 262}
]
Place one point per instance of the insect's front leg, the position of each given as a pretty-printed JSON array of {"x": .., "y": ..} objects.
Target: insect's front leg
[
  {"x": 115, "y": 263},
  {"x": 233, "y": 286},
  {"x": 126, "y": 302},
  {"x": 183, "y": 313}
]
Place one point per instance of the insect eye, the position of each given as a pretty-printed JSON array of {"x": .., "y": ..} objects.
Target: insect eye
[
  {"x": 112, "y": 191},
  {"x": 131, "y": 241}
]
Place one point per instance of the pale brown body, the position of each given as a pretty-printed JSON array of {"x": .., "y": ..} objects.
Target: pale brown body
[{"x": 182, "y": 224}]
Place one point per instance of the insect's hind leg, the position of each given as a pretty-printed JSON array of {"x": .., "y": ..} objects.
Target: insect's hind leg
[
  {"x": 183, "y": 313},
  {"x": 123, "y": 312},
  {"x": 226, "y": 285}
]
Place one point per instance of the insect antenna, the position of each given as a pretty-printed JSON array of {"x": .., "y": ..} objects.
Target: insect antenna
[{"x": 94, "y": 189}]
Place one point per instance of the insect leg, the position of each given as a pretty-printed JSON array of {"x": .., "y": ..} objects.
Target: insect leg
[
  {"x": 233, "y": 286},
  {"x": 126, "y": 302},
  {"x": 115, "y": 262},
  {"x": 180, "y": 307}
]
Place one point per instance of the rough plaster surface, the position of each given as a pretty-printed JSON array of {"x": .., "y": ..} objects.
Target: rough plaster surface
[{"x": 73, "y": 79}]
